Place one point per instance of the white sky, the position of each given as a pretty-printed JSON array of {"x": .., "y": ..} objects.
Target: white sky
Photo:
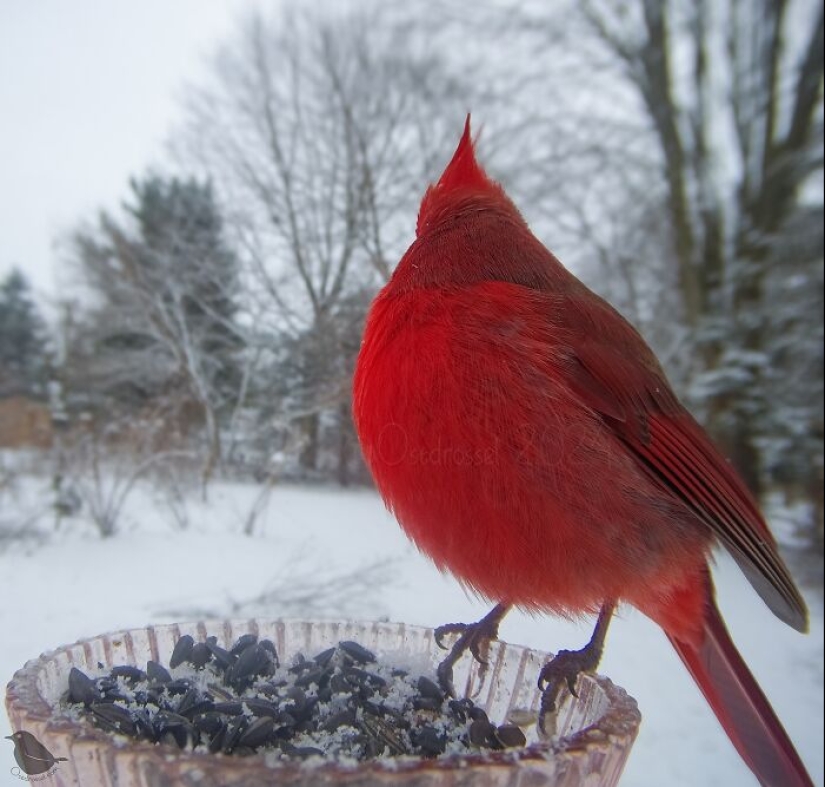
[{"x": 88, "y": 94}]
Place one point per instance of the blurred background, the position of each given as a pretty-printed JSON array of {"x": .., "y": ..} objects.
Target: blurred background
[{"x": 202, "y": 198}]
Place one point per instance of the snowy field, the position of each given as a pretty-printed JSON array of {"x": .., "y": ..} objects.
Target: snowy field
[{"x": 74, "y": 584}]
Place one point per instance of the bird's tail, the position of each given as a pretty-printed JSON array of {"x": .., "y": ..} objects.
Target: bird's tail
[{"x": 739, "y": 704}]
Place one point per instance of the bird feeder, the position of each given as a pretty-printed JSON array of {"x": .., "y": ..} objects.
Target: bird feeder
[{"x": 593, "y": 737}]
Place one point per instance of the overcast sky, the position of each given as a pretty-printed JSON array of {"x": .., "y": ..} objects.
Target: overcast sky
[{"x": 88, "y": 93}]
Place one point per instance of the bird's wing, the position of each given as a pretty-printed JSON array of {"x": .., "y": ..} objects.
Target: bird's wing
[{"x": 617, "y": 375}]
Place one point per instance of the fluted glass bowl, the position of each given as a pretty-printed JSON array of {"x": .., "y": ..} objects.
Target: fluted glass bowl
[{"x": 594, "y": 732}]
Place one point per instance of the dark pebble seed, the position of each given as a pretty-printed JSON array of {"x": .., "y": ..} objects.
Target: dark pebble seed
[
  {"x": 157, "y": 673},
  {"x": 358, "y": 653},
  {"x": 242, "y": 643},
  {"x": 510, "y": 736},
  {"x": 183, "y": 648},
  {"x": 82, "y": 688}
]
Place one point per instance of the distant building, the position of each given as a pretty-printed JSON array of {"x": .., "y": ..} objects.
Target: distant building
[{"x": 25, "y": 423}]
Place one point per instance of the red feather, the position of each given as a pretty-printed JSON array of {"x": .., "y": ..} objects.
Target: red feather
[{"x": 739, "y": 704}]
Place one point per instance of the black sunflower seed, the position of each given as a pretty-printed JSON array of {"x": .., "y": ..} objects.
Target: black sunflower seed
[
  {"x": 222, "y": 656},
  {"x": 426, "y": 703},
  {"x": 309, "y": 676},
  {"x": 235, "y": 728},
  {"x": 114, "y": 718},
  {"x": 430, "y": 741},
  {"x": 242, "y": 643},
  {"x": 129, "y": 673},
  {"x": 200, "y": 655},
  {"x": 82, "y": 688},
  {"x": 216, "y": 741},
  {"x": 257, "y": 733},
  {"x": 231, "y": 708},
  {"x": 358, "y": 653},
  {"x": 157, "y": 673},
  {"x": 331, "y": 693},
  {"x": 209, "y": 722},
  {"x": 262, "y": 707},
  {"x": 481, "y": 733},
  {"x": 430, "y": 689},
  {"x": 270, "y": 648},
  {"x": 510, "y": 736},
  {"x": 182, "y": 651},
  {"x": 179, "y": 686},
  {"x": 324, "y": 657},
  {"x": 344, "y": 718}
]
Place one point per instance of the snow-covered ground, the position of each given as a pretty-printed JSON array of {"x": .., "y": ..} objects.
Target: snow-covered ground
[{"x": 75, "y": 584}]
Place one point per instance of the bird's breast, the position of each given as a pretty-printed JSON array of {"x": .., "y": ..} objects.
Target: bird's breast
[{"x": 487, "y": 457}]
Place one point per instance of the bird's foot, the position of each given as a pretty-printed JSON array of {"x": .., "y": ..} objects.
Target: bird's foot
[
  {"x": 475, "y": 637},
  {"x": 561, "y": 671}
]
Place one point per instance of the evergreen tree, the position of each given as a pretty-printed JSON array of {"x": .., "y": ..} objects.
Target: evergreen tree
[
  {"x": 163, "y": 332},
  {"x": 23, "y": 347}
]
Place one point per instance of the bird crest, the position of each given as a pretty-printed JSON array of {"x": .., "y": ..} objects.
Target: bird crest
[{"x": 462, "y": 173}]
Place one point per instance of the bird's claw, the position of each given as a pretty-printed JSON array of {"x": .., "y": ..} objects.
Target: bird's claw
[
  {"x": 475, "y": 637},
  {"x": 446, "y": 630},
  {"x": 565, "y": 668}
]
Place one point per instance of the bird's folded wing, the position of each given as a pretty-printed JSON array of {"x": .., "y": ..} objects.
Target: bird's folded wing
[{"x": 618, "y": 377}]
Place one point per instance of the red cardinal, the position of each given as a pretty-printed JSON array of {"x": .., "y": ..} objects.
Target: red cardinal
[{"x": 527, "y": 440}]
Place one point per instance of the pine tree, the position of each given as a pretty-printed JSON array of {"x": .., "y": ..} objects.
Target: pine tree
[{"x": 24, "y": 359}]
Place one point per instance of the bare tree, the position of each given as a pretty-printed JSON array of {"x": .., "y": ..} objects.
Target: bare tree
[
  {"x": 316, "y": 130},
  {"x": 734, "y": 94},
  {"x": 163, "y": 327}
]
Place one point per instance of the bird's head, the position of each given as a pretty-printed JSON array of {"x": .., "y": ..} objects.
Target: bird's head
[{"x": 463, "y": 181}]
